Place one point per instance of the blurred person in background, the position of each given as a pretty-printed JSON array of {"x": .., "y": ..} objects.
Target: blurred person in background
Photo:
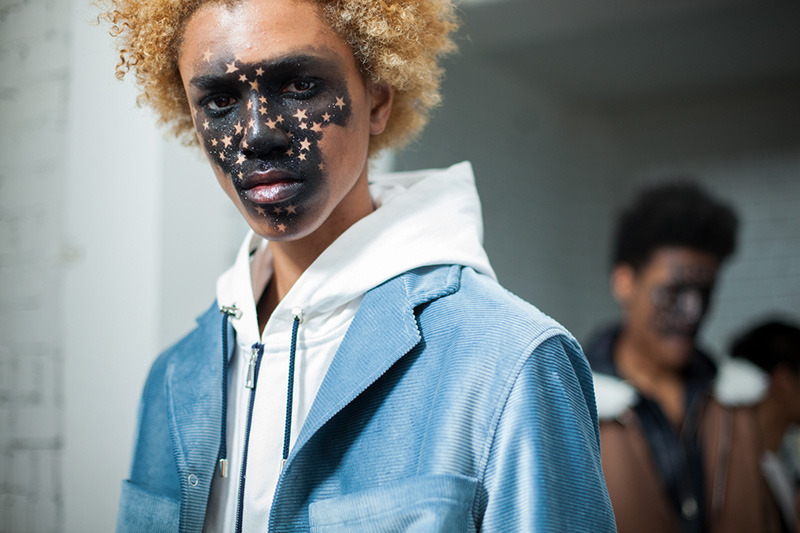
[
  {"x": 652, "y": 381},
  {"x": 760, "y": 386}
]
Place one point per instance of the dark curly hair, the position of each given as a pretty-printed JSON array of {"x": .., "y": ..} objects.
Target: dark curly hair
[
  {"x": 770, "y": 344},
  {"x": 673, "y": 213}
]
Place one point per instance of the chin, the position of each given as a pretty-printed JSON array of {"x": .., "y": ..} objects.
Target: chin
[{"x": 677, "y": 350}]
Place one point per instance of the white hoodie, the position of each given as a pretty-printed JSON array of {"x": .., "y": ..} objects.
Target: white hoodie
[{"x": 423, "y": 218}]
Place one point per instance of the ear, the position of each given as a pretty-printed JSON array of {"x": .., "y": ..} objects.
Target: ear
[
  {"x": 382, "y": 97},
  {"x": 622, "y": 281}
]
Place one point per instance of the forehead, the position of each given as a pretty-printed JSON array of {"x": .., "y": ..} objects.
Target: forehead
[
  {"x": 681, "y": 265},
  {"x": 256, "y": 30}
]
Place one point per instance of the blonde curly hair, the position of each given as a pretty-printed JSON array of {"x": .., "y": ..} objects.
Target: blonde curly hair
[{"x": 398, "y": 42}]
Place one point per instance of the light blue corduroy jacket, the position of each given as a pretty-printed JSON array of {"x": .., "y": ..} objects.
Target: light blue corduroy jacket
[{"x": 451, "y": 405}]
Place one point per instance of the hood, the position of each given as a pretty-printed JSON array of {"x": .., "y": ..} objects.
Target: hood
[
  {"x": 422, "y": 218},
  {"x": 740, "y": 383}
]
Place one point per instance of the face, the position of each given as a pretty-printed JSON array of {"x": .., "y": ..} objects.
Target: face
[
  {"x": 283, "y": 114},
  {"x": 665, "y": 302}
]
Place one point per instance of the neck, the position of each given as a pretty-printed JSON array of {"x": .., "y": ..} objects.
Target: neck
[
  {"x": 771, "y": 422},
  {"x": 663, "y": 384}
]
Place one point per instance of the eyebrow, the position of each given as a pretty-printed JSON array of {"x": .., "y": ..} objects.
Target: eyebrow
[{"x": 276, "y": 67}]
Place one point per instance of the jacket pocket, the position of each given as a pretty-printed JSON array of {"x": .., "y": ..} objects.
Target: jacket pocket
[
  {"x": 142, "y": 510},
  {"x": 426, "y": 503}
]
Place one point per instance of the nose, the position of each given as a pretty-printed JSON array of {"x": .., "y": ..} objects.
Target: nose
[{"x": 263, "y": 138}]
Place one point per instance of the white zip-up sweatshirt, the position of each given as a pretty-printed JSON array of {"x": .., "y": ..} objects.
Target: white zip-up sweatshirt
[{"x": 422, "y": 218}]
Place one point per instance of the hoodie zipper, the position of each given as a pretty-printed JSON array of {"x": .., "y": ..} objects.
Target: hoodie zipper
[{"x": 256, "y": 352}]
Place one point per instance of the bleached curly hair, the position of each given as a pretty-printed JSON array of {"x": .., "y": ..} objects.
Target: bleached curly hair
[{"x": 399, "y": 42}]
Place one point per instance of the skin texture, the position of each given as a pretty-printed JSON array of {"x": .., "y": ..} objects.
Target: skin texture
[
  {"x": 663, "y": 305},
  {"x": 285, "y": 118}
]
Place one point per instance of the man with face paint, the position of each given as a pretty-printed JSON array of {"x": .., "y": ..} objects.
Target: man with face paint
[
  {"x": 360, "y": 369},
  {"x": 663, "y": 468}
]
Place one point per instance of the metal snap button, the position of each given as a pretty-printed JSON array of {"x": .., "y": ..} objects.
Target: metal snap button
[{"x": 192, "y": 480}]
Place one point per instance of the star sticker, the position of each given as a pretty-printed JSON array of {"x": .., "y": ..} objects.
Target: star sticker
[
  {"x": 304, "y": 144},
  {"x": 207, "y": 55},
  {"x": 240, "y": 174},
  {"x": 278, "y": 119},
  {"x": 205, "y": 124},
  {"x": 339, "y": 103},
  {"x": 238, "y": 128},
  {"x": 251, "y": 123},
  {"x": 277, "y": 210},
  {"x": 259, "y": 71},
  {"x": 213, "y": 142},
  {"x": 291, "y": 210},
  {"x": 321, "y": 166},
  {"x": 244, "y": 144},
  {"x": 262, "y": 99},
  {"x": 231, "y": 67},
  {"x": 301, "y": 156},
  {"x": 222, "y": 156},
  {"x": 270, "y": 124},
  {"x": 300, "y": 115},
  {"x": 262, "y": 110},
  {"x": 326, "y": 117},
  {"x": 289, "y": 152},
  {"x": 194, "y": 111},
  {"x": 240, "y": 159},
  {"x": 249, "y": 105},
  {"x": 226, "y": 141},
  {"x": 281, "y": 227},
  {"x": 316, "y": 126},
  {"x": 254, "y": 85},
  {"x": 303, "y": 125},
  {"x": 260, "y": 210},
  {"x": 243, "y": 78}
]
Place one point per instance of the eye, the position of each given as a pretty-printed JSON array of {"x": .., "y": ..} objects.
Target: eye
[
  {"x": 299, "y": 88},
  {"x": 218, "y": 102}
]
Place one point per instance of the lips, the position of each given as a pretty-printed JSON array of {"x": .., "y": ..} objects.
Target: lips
[{"x": 270, "y": 186}]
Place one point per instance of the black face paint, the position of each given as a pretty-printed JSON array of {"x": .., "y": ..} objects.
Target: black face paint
[
  {"x": 261, "y": 124},
  {"x": 681, "y": 304}
]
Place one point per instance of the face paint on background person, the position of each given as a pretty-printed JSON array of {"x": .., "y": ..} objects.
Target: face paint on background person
[
  {"x": 681, "y": 304},
  {"x": 261, "y": 124}
]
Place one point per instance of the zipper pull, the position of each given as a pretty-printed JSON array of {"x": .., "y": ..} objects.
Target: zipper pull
[{"x": 250, "y": 383}]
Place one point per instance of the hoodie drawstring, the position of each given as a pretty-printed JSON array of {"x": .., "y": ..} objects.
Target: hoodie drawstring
[{"x": 297, "y": 313}]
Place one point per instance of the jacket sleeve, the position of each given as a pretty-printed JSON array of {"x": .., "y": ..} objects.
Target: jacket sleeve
[
  {"x": 544, "y": 471},
  {"x": 150, "y": 497}
]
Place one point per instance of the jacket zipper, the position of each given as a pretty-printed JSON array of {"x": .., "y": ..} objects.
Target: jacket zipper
[{"x": 252, "y": 378}]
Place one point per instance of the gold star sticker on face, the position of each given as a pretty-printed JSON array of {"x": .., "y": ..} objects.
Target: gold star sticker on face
[
  {"x": 249, "y": 104},
  {"x": 301, "y": 156},
  {"x": 240, "y": 159},
  {"x": 207, "y": 56},
  {"x": 194, "y": 111},
  {"x": 226, "y": 141},
  {"x": 231, "y": 67},
  {"x": 270, "y": 124},
  {"x": 259, "y": 71},
  {"x": 213, "y": 142},
  {"x": 300, "y": 115},
  {"x": 339, "y": 103},
  {"x": 326, "y": 117},
  {"x": 222, "y": 156},
  {"x": 304, "y": 144},
  {"x": 243, "y": 78},
  {"x": 244, "y": 144},
  {"x": 240, "y": 174},
  {"x": 205, "y": 124},
  {"x": 281, "y": 227},
  {"x": 277, "y": 210},
  {"x": 321, "y": 166},
  {"x": 278, "y": 119},
  {"x": 262, "y": 99},
  {"x": 260, "y": 210},
  {"x": 303, "y": 125},
  {"x": 291, "y": 210},
  {"x": 316, "y": 126},
  {"x": 262, "y": 110},
  {"x": 254, "y": 85},
  {"x": 251, "y": 123},
  {"x": 238, "y": 128},
  {"x": 289, "y": 152}
]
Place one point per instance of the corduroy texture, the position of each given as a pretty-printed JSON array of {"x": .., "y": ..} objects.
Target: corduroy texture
[{"x": 450, "y": 405}]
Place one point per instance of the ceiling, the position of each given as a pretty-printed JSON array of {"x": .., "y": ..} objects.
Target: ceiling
[{"x": 620, "y": 49}]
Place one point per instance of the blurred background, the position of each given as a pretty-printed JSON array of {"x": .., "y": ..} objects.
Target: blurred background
[{"x": 111, "y": 235}]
